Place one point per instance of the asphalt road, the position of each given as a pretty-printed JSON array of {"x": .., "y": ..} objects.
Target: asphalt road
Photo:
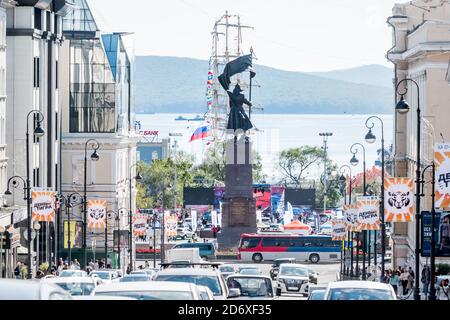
[{"x": 327, "y": 273}]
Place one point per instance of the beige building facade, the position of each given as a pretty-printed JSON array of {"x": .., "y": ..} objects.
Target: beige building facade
[
  {"x": 421, "y": 51},
  {"x": 97, "y": 103}
]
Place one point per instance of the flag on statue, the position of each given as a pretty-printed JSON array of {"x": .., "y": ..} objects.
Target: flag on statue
[{"x": 234, "y": 67}]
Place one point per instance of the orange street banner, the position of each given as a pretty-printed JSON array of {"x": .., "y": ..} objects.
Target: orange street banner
[
  {"x": 398, "y": 200},
  {"x": 368, "y": 213},
  {"x": 43, "y": 204},
  {"x": 170, "y": 224},
  {"x": 96, "y": 214},
  {"x": 338, "y": 229},
  {"x": 351, "y": 218},
  {"x": 139, "y": 224},
  {"x": 442, "y": 161}
]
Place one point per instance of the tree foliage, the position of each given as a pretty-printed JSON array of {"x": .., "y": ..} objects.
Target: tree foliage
[
  {"x": 157, "y": 188},
  {"x": 295, "y": 163}
]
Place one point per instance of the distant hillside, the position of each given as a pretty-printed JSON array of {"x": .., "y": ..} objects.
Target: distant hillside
[
  {"x": 375, "y": 75},
  {"x": 178, "y": 85}
]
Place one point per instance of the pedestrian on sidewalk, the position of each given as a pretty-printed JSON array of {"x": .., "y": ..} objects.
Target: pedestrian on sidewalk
[
  {"x": 394, "y": 280},
  {"x": 17, "y": 273},
  {"x": 404, "y": 279},
  {"x": 425, "y": 280}
]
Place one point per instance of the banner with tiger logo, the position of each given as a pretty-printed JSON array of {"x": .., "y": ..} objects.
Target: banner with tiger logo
[
  {"x": 351, "y": 218},
  {"x": 442, "y": 161},
  {"x": 43, "y": 204},
  {"x": 368, "y": 213},
  {"x": 398, "y": 200},
  {"x": 140, "y": 224},
  {"x": 170, "y": 224},
  {"x": 338, "y": 231},
  {"x": 96, "y": 214}
]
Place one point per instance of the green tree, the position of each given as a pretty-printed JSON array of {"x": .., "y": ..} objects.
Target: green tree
[
  {"x": 212, "y": 171},
  {"x": 295, "y": 163},
  {"x": 335, "y": 188},
  {"x": 157, "y": 186}
]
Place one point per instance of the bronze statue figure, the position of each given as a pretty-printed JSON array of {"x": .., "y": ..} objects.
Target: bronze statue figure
[{"x": 238, "y": 119}]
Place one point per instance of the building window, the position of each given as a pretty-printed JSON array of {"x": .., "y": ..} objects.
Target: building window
[
  {"x": 92, "y": 88},
  {"x": 36, "y": 72},
  {"x": 57, "y": 75},
  {"x": 37, "y": 18}
]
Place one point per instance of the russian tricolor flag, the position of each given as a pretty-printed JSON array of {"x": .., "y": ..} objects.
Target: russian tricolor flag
[{"x": 201, "y": 133}]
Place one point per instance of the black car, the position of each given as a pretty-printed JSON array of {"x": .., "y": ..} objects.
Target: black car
[{"x": 276, "y": 266}]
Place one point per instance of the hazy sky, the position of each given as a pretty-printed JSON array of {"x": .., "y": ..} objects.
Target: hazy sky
[{"x": 297, "y": 35}]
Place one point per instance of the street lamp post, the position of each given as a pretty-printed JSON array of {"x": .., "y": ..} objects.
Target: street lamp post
[
  {"x": 354, "y": 162},
  {"x": 117, "y": 219},
  {"x": 371, "y": 138},
  {"x": 38, "y": 133},
  {"x": 138, "y": 178},
  {"x": 94, "y": 157},
  {"x": 325, "y": 136},
  {"x": 350, "y": 234},
  {"x": 69, "y": 203},
  {"x": 403, "y": 107},
  {"x": 433, "y": 217}
]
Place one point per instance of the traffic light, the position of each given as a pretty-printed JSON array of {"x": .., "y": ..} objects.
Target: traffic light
[{"x": 6, "y": 240}]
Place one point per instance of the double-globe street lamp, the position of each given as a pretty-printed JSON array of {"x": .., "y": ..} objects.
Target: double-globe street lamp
[
  {"x": 94, "y": 157},
  {"x": 69, "y": 202},
  {"x": 354, "y": 162},
  {"x": 349, "y": 271},
  {"x": 137, "y": 178},
  {"x": 38, "y": 133},
  {"x": 371, "y": 138},
  {"x": 116, "y": 215},
  {"x": 403, "y": 107}
]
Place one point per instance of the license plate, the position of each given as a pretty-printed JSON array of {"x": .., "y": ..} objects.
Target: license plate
[{"x": 293, "y": 288}]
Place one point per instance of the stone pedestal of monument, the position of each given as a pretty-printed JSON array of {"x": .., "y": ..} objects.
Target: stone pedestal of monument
[{"x": 238, "y": 205}]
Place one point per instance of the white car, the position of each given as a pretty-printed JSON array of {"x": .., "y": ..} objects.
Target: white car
[
  {"x": 151, "y": 290},
  {"x": 31, "y": 290},
  {"x": 76, "y": 286},
  {"x": 205, "y": 293},
  {"x": 210, "y": 278},
  {"x": 293, "y": 279},
  {"x": 359, "y": 290},
  {"x": 73, "y": 273},
  {"x": 105, "y": 276}
]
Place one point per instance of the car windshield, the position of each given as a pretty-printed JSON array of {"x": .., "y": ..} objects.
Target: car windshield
[
  {"x": 101, "y": 275},
  {"x": 135, "y": 278},
  {"x": 249, "y": 271},
  {"x": 70, "y": 273},
  {"x": 293, "y": 271},
  {"x": 226, "y": 269},
  {"x": 150, "y": 295},
  {"x": 317, "y": 295},
  {"x": 208, "y": 281},
  {"x": 359, "y": 294},
  {"x": 77, "y": 289},
  {"x": 251, "y": 287}
]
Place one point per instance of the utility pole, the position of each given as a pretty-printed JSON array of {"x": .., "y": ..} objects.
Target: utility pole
[
  {"x": 325, "y": 136},
  {"x": 175, "y": 145}
]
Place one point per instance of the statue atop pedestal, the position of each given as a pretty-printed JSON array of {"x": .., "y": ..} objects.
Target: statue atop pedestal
[{"x": 238, "y": 206}]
